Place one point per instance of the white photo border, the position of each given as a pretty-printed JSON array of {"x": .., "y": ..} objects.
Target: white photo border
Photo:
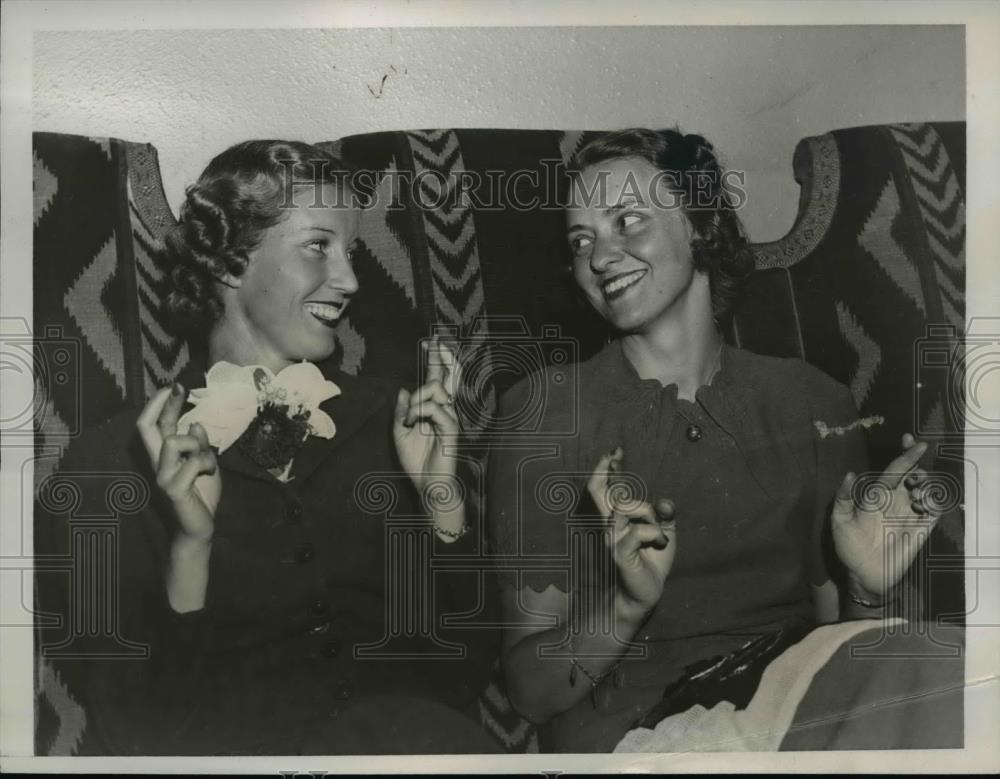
[{"x": 982, "y": 23}]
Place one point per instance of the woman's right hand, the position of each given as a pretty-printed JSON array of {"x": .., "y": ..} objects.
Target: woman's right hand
[
  {"x": 186, "y": 469},
  {"x": 643, "y": 538}
]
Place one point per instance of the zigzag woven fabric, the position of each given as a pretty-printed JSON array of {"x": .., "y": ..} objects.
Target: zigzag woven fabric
[
  {"x": 79, "y": 351},
  {"x": 100, "y": 341},
  {"x": 446, "y": 246},
  {"x": 164, "y": 355},
  {"x": 79, "y": 294},
  {"x": 100, "y": 215},
  {"x": 871, "y": 280}
]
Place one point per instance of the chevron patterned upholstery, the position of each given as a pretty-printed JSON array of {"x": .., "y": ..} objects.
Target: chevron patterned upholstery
[
  {"x": 874, "y": 259},
  {"x": 871, "y": 275},
  {"x": 100, "y": 215},
  {"x": 431, "y": 258}
]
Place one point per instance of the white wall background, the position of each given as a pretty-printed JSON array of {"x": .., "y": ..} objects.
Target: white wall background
[{"x": 753, "y": 91}]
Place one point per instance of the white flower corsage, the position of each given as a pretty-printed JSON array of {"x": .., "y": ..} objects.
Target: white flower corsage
[{"x": 269, "y": 415}]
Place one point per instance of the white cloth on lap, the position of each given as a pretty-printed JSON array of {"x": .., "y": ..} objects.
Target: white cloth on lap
[{"x": 762, "y": 725}]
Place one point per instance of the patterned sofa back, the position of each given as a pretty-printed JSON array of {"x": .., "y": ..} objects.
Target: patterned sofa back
[
  {"x": 101, "y": 342},
  {"x": 869, "y": 285},
  {"x": 869, "y": 280}
]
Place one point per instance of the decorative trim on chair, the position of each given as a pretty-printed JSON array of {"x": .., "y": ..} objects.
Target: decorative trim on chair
[
  {"x": 164, "y": 355},
  {"x": 817, "y": 166},
  {"x": 126, "y": 274},
  {"x": 149, "y": 203}
]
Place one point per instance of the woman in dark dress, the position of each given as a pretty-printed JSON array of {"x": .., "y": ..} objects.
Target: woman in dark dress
[
  {"x": 714, "y": 474},
  {"x": 264, "y": 572}
]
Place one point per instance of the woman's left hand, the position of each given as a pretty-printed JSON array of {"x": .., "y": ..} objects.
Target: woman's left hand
[
  {"x": 877, "y": 543},
  {"x": 426, "y": 423}
]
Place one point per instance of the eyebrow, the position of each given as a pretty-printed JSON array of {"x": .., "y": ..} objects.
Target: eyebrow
[
  {"x": 627, "y": 202},
  {"x": 307, "y": 228}
]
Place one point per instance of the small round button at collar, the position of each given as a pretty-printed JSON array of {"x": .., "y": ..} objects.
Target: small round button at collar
[
  {"x": 693, "y": 433},
  {"x": 331, "y": 648},
  {"x": 318, "y": 606},
  {"x": 305, "y": 553}
]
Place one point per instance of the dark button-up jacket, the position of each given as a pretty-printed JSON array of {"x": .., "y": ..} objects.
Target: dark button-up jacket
[{"x": 321, "y": 592}]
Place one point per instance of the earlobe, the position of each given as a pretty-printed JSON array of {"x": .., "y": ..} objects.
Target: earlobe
[
  {"x": 229, "y": 280},
  {"x": 232, "y": 280}
]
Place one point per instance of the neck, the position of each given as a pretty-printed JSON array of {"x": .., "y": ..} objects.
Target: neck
[
  {"x": 231, "y": 342},
  {"x": 683, "y": 351}
]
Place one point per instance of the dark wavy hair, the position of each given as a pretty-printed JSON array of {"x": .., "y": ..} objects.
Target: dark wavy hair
[
  {"x": 244, "y": 191},
  {"x": 719, "y": 245}
]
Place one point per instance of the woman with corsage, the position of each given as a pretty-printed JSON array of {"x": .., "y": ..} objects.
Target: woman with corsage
[
  {"x": 692, "y": 484},
  {"x": 262, "y": 575}
]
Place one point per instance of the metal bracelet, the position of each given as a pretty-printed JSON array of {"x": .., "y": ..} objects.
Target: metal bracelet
[
  {"x": 594, "y": 680},
  {"x": 455, "y": 534},
  {"x": 869, "y": 605}
]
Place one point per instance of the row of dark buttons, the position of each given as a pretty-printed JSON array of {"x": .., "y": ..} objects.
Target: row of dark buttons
[{"x": 331, "y": 647}]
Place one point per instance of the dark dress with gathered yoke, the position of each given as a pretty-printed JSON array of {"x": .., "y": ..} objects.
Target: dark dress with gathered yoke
[{"x": 752, "y": 479}]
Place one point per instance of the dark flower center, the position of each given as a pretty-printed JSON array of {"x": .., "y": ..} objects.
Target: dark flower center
[{"x": 275, "y": 435}]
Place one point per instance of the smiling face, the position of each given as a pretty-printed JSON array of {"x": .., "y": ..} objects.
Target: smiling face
[
  {"x": 631, "y": 253},
  {"x": 297, "y": 283}
]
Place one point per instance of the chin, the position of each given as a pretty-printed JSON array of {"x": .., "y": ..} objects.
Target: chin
[
  {"x": 322, "y": 354},
  {"x": 317, "y": 351},
  {"x": 625, "y": 322}
]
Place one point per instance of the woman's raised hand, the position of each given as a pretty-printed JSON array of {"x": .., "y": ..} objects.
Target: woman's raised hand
[
  {"x": 185, "y": 465},
  {"x": 876, "y": 559},
  {"x": 426, "y": 421},
  {"x": 643, "y": 537}
]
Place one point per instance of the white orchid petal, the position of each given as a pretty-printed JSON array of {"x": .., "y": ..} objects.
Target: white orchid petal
[
  {"x": 186, "y": 420},
  {"x": 196, "y": 395},
  {"x": 227, "y": 405},
  {"x": 330, "y": 390},
  {"x": 226, "y": 372},
  {"x": 239, "y": 400},
  {"x": 322, "y": 425},
  {"x": 228, "y": 436},
  {"x": 225, "y": 411},
  {"x": 221, "y": 436},
  {"x": 299, "y": 374},
  {"x": 221, "y": 430},
  {"x": 285, "y": 475},
  {"x": 303, "y": 382}
]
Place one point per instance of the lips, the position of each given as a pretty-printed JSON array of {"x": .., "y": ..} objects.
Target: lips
[
  {"x": 620, "y": 283},
  {"x": 326, "y": 312}
]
